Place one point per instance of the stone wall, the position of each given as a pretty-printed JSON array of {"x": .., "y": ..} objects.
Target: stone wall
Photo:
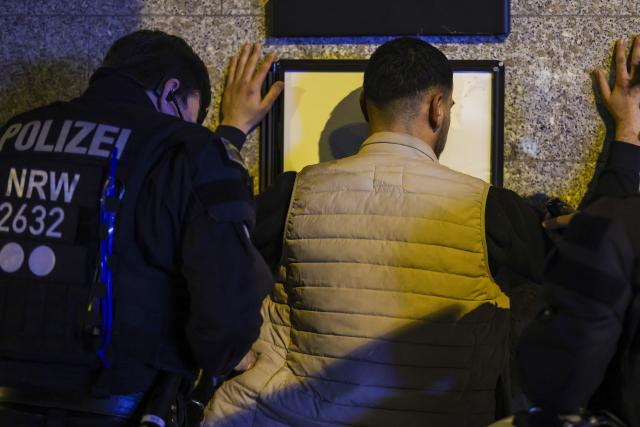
[{"x": 553, "y": 134}]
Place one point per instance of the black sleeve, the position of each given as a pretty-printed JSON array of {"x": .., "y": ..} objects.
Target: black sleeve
[
  {"x": 227, "y": 279},
  {"x": 233, "y": 135},
  {"x": 516, "y": 241},
  {"x": 620, "y": 176},
  {"x": 272, "y": 207},
  {"x": 565, "y": 351}
]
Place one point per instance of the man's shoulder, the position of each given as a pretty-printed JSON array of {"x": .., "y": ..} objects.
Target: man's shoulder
[{"x": 441, "y": 171}]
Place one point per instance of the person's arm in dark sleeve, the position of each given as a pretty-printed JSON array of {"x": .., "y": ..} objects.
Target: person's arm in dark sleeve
[
  {"x": 565, "y": 351},
  {"x": 516, "y": 241},
  {"x": 272, "y": 207},
  {"x": 620, "y": 176},
  {"x": 227, "y": 279},
  {"x": 234, "y": 135}
]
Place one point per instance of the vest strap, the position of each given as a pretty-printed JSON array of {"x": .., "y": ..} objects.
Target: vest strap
[{"x": 115, "y": 406}]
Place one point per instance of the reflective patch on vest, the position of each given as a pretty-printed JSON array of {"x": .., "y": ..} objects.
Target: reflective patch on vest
[
  {"x": 50, "y": 262},
  {"x": 42, "y": 261},
  {"x": 42, "y": 207},
  {"x": 42, "y": 202},
  {"x": 233, "y": 153},
  {"x": 68, "y": 137},
  {"x": 11, "y": 257}
]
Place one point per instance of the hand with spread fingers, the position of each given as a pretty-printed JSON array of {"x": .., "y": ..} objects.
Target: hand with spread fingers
[
  {"x": 623, "y": 99},
  {"x": 243, "y": 106}
]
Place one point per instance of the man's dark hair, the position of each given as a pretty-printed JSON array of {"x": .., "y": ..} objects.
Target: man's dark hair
[
  {"x": 152, "y": 57},
  {"x": 405, "y": 68}
]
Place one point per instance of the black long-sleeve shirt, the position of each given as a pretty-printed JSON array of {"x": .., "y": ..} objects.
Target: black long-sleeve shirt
[{"x": 570, "y": 348}]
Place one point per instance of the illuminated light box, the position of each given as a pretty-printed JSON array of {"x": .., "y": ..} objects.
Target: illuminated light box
[
  {"x": 340, "y": 18},
  {"x": 318, "y": 118}
]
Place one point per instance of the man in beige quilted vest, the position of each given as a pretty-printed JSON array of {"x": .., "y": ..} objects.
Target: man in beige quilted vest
[{"x": 385, "y": 311}]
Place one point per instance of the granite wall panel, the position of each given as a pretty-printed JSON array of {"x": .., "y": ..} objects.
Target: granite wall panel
[
  {"x": 553, "y": 131},
  {"x": 572, "y": 7}
]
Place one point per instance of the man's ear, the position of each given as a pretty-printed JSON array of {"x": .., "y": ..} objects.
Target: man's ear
[
  {"x": 165, "y": 93},
  {"x": 436, "y": 113},
  {"x": 363, "y": 106}
]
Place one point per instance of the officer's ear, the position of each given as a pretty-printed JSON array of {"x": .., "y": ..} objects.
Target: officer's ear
[{"x": 165, "y": 96}]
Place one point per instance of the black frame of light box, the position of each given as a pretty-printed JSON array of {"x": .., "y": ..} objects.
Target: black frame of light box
[{"x": 272, "y": 131}]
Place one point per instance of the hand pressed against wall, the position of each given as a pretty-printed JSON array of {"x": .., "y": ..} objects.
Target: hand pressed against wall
[
  {"x": 243, "y": 106},
  {"x": 623, "y": 99}
]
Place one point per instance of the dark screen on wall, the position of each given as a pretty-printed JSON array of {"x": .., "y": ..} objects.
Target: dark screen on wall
[{"x": 344, "y": 18}]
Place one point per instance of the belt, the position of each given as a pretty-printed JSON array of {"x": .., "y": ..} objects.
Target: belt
[{"x": 115, "y": 406}]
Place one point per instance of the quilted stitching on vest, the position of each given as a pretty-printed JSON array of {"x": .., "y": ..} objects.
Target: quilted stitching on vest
[{"x": 385, "y": 313}]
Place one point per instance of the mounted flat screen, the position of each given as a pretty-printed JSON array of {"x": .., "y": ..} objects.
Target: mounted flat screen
[
  {"x": 318, "y": 118},
  {"x": 340, "y": 18}
]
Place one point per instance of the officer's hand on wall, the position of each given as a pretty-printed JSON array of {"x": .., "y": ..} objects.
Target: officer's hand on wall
[
  {"x": 623, "y": 100},
  {"x": 243, "y": 106}
]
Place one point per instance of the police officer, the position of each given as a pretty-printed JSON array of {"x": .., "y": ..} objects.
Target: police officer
[{"x": 124, "y": 236}]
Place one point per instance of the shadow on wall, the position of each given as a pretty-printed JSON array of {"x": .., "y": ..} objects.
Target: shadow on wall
[
  {"x": 38, "y": 68},
  {"x": 31, "y": 85},
  {"x": 345, "y": 130},
  {"x": 608, "y": 133}
]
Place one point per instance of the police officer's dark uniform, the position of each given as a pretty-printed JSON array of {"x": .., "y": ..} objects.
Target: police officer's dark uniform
[{"x": 187, "y": 282}]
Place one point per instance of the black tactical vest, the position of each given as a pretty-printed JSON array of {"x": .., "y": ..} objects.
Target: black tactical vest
[{"x": 53, "y": 166}]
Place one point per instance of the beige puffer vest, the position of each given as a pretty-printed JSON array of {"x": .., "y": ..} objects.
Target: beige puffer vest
[{"x": 385, "y": 313}]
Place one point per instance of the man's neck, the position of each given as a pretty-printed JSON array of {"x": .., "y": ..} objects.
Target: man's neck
[{"x": 424, "y": 135}]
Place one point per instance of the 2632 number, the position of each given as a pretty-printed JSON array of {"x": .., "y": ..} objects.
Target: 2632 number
[{"x": 37, "y": 220}]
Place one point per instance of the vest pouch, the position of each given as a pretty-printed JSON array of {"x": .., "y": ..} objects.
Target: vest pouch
[
  {"x": 40, "y": 339},
  {"x": 42, "y": 322},
  {"x": 138, "y": 334},
  {"x": 148, "y": 325}
]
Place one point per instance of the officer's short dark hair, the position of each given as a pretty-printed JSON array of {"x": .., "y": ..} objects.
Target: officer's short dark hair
[
  {"x": 403, "y": 69},
  {"x": 152, "y": 57}
]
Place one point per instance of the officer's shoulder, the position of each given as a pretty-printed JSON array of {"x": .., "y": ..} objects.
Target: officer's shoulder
[
  {"x": 211, "y": 155},
  {"x": 220, "y": 181}
]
